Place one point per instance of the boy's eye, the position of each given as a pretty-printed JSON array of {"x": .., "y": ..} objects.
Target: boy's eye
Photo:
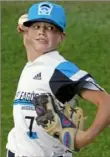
[
  {"x": 36, "y": 26},
  {"x": 50, "y": 27},
  {"x": 46, "y": 27}
]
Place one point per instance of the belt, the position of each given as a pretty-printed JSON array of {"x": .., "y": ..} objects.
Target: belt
[{"x": 11, "y": 154}]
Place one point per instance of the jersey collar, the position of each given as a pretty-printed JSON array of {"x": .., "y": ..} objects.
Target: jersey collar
[{"x": 42, "y": 57}]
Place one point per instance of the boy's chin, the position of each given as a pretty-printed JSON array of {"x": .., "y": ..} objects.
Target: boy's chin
[{"x": 43, "y": 50}]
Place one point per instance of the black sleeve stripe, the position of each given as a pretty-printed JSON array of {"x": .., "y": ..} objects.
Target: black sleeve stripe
[
  {"x": 64, "y": 88},
  {"x": 61, "y": 86}
]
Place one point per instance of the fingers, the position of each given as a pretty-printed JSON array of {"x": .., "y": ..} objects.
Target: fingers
[{"x": 21, "y": 28}]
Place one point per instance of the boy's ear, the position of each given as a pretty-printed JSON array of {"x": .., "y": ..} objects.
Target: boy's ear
[{"x": 62, "y": 36}]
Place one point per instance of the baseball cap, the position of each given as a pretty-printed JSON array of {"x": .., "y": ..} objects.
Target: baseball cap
[{"x": 47, "y": 12}]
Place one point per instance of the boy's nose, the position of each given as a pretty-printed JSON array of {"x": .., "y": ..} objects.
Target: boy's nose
[{"x": 41, "y": 30}]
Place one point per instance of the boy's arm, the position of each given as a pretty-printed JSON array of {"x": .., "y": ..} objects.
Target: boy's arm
[{"x": 102, "y": 119}]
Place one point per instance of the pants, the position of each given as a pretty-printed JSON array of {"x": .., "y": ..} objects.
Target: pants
[{"x": 11, "y": 154}]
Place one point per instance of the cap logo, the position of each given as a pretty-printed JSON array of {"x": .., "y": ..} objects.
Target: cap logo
[{"x": 44, "y": 9}]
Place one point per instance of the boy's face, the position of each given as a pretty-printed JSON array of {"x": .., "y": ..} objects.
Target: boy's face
[{"x": 44, "y": 37}]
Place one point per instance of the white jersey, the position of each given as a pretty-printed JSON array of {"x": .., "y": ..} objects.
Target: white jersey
[{"x": 50, "y": 73}]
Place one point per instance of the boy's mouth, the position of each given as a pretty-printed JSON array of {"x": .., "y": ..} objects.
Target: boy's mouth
[{"x": 41, "y": 40}]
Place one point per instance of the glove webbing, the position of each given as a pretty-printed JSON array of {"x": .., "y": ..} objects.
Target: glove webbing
[{"x": 64, "y": 120}]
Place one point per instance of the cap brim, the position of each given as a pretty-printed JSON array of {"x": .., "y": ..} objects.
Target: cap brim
[{"x": 30, "y": 22}]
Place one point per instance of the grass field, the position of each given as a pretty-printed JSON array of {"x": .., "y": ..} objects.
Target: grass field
[{"x": 87, "y": 44}]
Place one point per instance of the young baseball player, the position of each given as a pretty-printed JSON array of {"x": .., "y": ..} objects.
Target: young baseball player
[{"x": 47, "y": 82}]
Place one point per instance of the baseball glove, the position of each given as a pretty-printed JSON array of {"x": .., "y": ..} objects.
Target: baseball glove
[{"x": 62, "y": 122}]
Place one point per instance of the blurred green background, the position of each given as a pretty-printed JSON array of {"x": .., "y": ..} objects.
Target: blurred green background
[{"x": 87, "y": 45}]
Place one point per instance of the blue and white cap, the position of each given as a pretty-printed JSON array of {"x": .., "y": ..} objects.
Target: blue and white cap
[{"x": 47, "y": 12}]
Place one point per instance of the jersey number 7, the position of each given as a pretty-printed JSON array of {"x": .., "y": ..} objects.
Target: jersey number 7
[{"x": 30, "y": 133}]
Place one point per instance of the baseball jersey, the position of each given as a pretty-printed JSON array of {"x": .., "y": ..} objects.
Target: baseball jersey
[{"x": 49, "y": 73}]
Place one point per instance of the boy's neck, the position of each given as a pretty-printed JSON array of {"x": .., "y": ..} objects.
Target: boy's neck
[{"x": 32, "y": 54}]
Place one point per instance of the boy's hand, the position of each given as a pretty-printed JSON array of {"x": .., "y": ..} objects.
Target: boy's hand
[{"x": 21, "y": 28}]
